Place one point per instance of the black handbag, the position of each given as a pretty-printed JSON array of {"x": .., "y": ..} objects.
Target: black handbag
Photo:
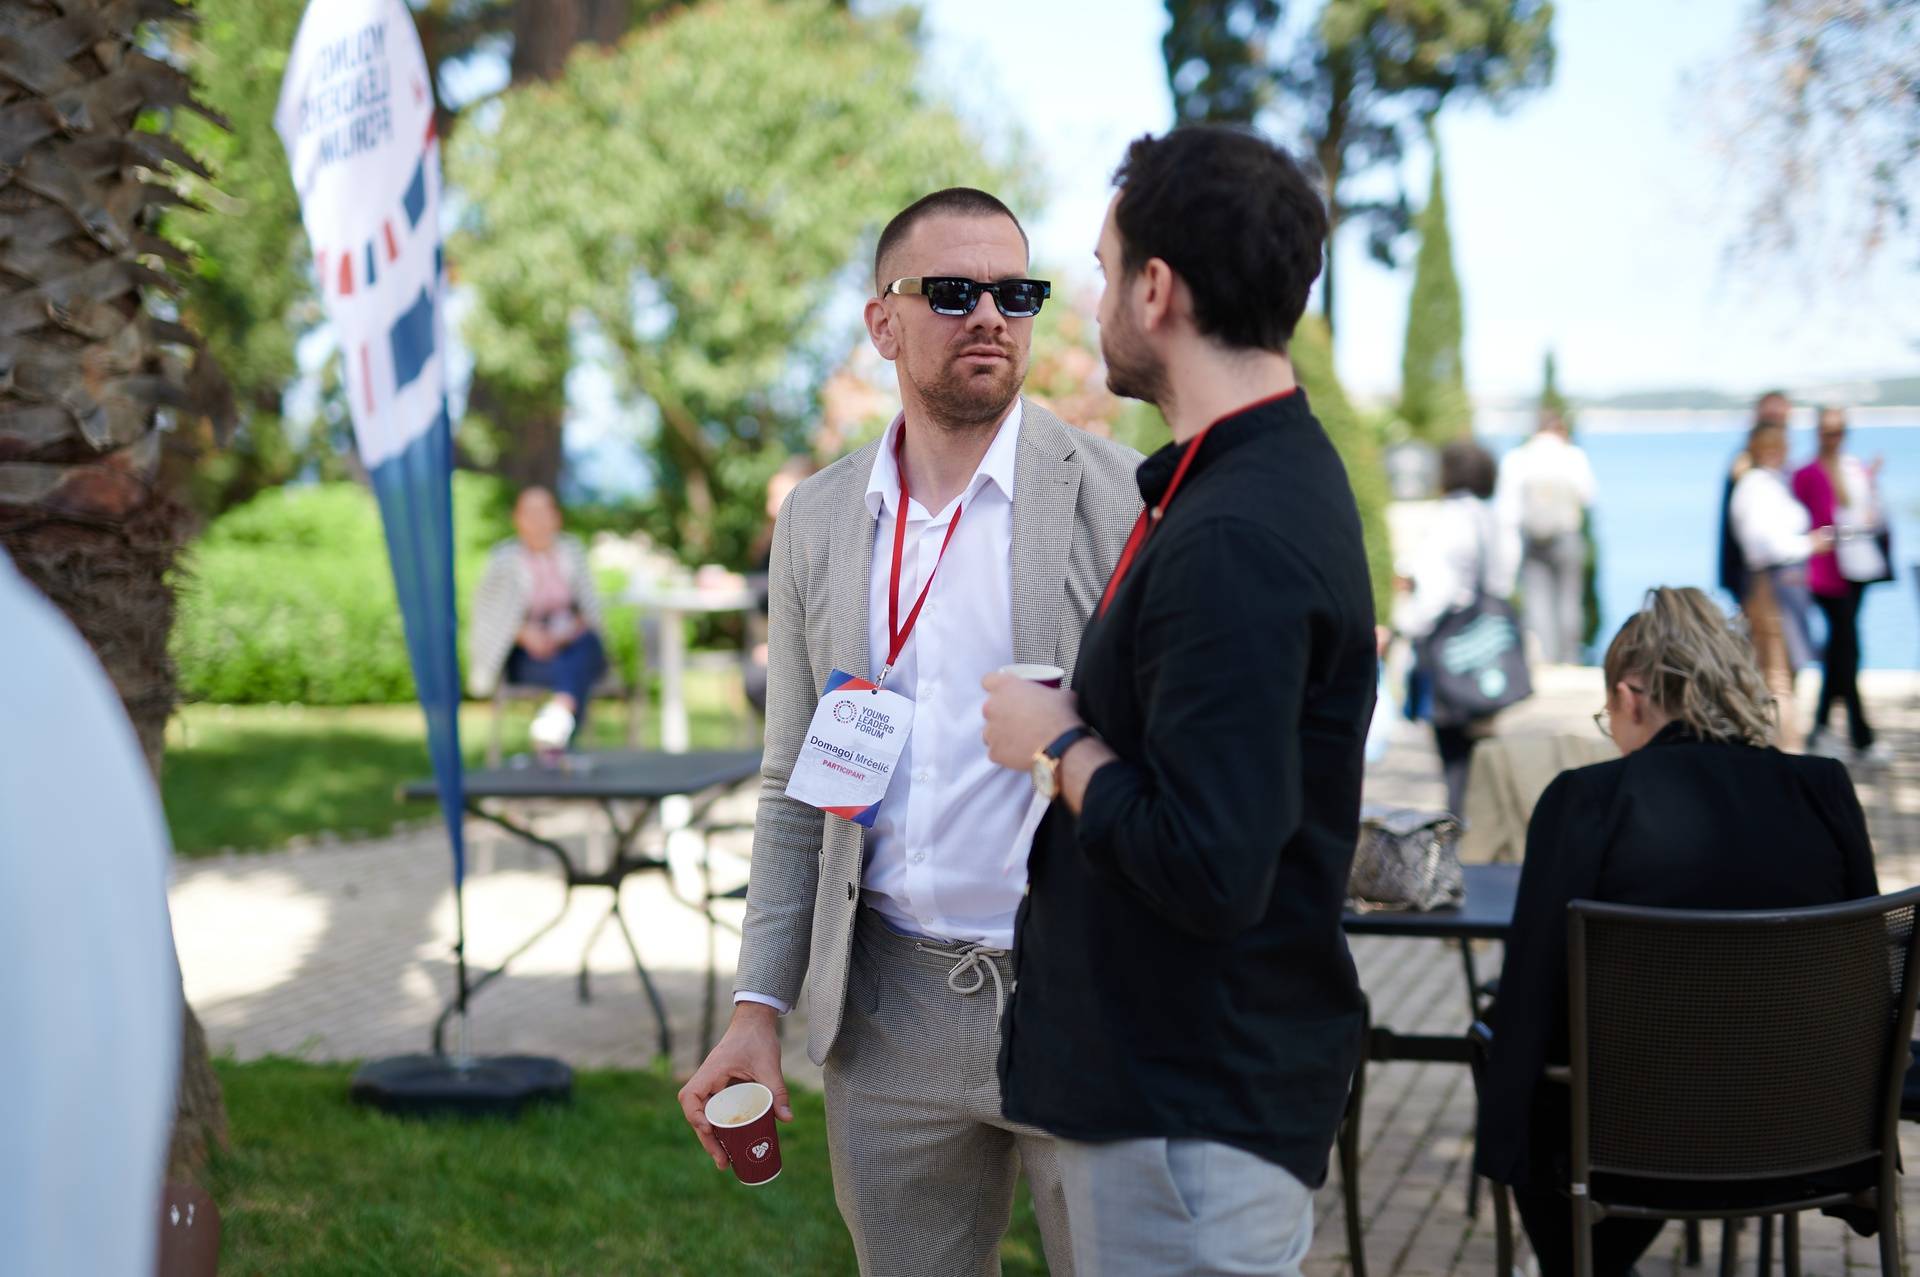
[{"x": 1475, "y": 660}]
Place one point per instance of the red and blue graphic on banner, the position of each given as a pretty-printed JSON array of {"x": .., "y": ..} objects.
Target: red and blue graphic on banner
[{"x": 356, "y": 116}]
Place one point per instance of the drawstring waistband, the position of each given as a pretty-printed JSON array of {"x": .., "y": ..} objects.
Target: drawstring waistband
[{"x": 973, "y": 960}]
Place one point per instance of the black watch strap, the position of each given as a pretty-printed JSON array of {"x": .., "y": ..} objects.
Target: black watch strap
[{"x": 1065, "y": 741}]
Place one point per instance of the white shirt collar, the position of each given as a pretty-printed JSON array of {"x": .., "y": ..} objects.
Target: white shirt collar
[{"x": 997, "y": 467}]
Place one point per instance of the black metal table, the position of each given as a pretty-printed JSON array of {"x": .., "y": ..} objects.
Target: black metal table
[
  {"x": 1485, "y": 914},
  {"x": 638, "y": 780}
]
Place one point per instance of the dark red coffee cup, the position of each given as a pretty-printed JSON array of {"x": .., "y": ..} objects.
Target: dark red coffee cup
[
  {"x": 742, "y": 1120},
  {"x": 1045, "y": 675}
]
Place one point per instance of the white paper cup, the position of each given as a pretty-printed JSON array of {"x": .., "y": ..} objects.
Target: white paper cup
[{"x": 1047, "y": 675}]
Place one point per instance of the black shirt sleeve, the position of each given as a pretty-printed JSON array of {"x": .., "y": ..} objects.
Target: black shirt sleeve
[{"x": 1225, "y": 643}]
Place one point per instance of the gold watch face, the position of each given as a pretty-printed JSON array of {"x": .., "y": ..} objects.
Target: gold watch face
[{"x": 1043, "y": 775}]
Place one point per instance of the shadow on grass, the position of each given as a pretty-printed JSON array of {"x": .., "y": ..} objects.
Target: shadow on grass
[{"x": 612, "y": 1183}]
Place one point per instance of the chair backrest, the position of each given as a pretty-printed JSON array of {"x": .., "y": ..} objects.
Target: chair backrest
[{"x": 1727, "y": 1046}]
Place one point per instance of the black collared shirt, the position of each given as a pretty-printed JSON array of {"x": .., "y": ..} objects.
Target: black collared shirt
[{"x": 1181, "y": 970}]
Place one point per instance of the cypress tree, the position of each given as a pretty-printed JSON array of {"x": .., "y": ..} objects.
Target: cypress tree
[
  {"x": 1433, "y": 378},
  {"x": 1312, "y": 355}
]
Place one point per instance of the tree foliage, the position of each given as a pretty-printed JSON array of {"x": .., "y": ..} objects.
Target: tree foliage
[
  {"x": 250, "y": 292},
  {"x": 1346, "y": 88},
  {"x": 1312, "y": 353},
  {"x": 1433, "y": 376},
  {"x": 1825, "y": 123},
  {"x": 690, "y": 200}
]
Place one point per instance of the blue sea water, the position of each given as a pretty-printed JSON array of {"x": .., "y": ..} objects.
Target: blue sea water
[{"x": 1657, "y": 511}]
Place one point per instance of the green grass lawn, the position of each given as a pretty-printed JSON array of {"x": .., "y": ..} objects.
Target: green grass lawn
[
  {"x": 610, "y": 1185},
  {"x": 253, "y": 777}
]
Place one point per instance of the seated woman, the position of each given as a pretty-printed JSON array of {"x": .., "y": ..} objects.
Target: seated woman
[
  {"x": 536, "y": 620},
  {"x": 1701, "y": 813}
]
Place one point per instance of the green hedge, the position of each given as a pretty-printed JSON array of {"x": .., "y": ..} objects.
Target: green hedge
[{"x": 289, "y": 598}]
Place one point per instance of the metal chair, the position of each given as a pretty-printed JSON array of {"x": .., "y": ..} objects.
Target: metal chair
[
  {"x": 1347, "y": 1145},
  {"x": 1727, "y": 1065}
]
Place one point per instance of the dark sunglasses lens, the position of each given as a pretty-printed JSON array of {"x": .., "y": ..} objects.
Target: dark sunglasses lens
[
  {"x": 1022, "y": 297},
  {"x": 951, "y": 296}
]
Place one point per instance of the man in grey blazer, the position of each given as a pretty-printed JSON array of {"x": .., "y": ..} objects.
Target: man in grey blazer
[{"x": 901, "y": 930}]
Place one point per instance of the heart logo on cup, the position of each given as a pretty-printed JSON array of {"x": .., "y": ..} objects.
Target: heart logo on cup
[{"x": 760, "y": 1150}]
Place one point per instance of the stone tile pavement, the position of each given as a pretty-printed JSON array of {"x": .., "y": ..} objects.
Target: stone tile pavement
[{"x": 343, "y": 952}]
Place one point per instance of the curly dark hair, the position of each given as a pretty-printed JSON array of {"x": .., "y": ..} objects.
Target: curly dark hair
[{"x": 1234, "y": 217}]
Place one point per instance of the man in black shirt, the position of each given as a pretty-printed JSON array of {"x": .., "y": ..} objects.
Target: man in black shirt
[{"x": 1186, "y": 1017}]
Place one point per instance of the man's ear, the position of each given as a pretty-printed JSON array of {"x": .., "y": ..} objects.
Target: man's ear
[
  {"x": 1156, "y": 284},
  {"x": 880, "y": 329}
]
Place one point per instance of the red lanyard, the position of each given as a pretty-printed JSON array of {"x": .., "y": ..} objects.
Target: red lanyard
[
  {"x": 896, "y": 633},
  {"x": 1150, "y": 518}
]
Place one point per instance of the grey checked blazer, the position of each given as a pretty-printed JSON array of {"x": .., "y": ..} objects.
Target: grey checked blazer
[{"x": 1074, "y": 501}]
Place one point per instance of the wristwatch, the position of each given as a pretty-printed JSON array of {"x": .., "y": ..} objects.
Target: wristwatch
[{"x": 1046, "y": 763}]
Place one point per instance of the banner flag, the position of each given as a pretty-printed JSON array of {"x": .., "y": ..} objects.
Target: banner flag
[{"x": 356, "y": 117}]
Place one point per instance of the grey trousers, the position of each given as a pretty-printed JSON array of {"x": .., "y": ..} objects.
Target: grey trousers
[
  {"x": 924, "y": 1165},
  {"x": 1553, "y": 580},
  {"x": 1156, "y": 1208}
]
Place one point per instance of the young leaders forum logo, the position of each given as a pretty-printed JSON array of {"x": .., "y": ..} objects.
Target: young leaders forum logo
[{"x": 845, "y": 711}]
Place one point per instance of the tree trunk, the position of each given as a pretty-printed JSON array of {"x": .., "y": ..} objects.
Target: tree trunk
[
  {"x": 116, "y": 585},
  {"x": 1331, "y": 152}
]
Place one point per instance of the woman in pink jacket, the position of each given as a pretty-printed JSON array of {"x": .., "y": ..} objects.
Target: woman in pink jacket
[{"x": 1838, "y": 491}]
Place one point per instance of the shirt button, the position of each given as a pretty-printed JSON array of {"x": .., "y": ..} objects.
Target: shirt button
[
  {"x": 922, "y": 776},
  {"x": 919, "y": 857}
]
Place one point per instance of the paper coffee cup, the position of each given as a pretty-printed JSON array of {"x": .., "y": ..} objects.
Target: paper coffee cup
[
  {"x": 1047, "y": 675},
  {"x": 742, "y": 1120}
]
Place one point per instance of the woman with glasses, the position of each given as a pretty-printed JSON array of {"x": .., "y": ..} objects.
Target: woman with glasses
[{"x": 1700, "y": 812}]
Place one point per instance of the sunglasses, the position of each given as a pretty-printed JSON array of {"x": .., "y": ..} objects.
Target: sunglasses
[{"x": 954, "y": 295}]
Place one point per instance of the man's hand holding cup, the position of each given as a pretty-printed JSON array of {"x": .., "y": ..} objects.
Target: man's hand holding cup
[
  {"x": 1026, "y": 710},
  {"x": 749, "y": 1051}
]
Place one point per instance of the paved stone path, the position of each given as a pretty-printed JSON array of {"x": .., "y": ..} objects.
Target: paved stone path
[{"x": 344, "y": 952}]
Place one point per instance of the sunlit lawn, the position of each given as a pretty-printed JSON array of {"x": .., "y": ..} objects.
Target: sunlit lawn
[
  {"x": 610, "y": 1184},
  {"x": 253, "y": 777}
]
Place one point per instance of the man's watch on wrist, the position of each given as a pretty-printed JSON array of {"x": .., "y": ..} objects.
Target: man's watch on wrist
[{"x": 1046, "y": 763}]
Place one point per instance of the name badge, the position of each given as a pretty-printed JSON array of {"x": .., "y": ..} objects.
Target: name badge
[{"x": 853, "y": 742}]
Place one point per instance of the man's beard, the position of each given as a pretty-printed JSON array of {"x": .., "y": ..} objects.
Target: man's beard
[
  {"x": 960, "y": 398},
  {"x": 1133, "y": 371}
]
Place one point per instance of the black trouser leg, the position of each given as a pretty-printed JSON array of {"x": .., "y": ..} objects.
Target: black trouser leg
[
  {"x": 1456, "y": 759},
  {"x": 1548, "y": 1217},
  {"x": 1841, "y": 679}
]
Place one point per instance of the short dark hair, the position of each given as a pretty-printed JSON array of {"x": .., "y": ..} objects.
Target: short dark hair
[
  {"x": 1465, "y": 464},
  {"x": 955, "y": 201},
  {"x": 1235, "y": 218}
]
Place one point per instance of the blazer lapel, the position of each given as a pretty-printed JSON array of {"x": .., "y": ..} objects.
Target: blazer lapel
[
  {"x": 850, "y": 571},
  {"x": 1046, "y": 487}
]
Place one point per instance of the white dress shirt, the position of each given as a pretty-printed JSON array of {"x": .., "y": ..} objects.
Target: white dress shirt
[
  {"x": 936, "y": 858},
  {"x": 1545, "y": 486},
  {"x": 938, "y": 855}
]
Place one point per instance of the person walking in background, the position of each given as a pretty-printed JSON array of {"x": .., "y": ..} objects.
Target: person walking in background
[
  {"x": 1772, "y": 408},
  {"x": 536, "y": 620},
  {"x": 1840, "y": 492},
  {"x": 1545, "y": 490},
  {"x": 1776, "y": 538},
  {"x": 1465, "y": 552}
]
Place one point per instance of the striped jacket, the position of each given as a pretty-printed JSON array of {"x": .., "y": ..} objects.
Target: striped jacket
[{"x": 500, "y": 606}]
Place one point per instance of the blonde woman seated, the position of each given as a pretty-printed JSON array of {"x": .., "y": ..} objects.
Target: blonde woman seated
[{"x": 1702, "y": 812}]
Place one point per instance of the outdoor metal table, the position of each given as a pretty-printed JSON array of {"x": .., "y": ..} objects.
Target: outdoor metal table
[
  {"x": 1485, "y": 914},
  {"x": 641, "y": 780}
]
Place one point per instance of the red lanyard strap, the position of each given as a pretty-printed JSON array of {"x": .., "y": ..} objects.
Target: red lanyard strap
[
  {"x": 1148, "y": 520},
  {"x": 896, "y": 633}
]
